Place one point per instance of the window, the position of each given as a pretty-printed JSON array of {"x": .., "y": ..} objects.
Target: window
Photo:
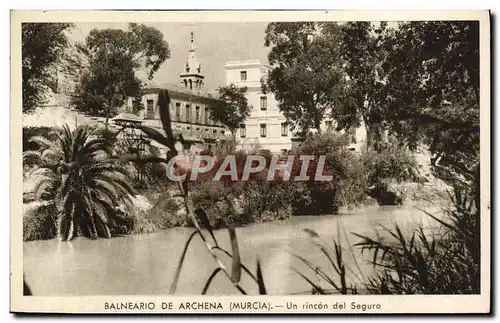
[
  {"x": 198, "y": 116},
  {"x": 215, "y": 131},
  {"x": 284, "y": 129},
  {"x": 207, "y": 115},
  {"x": 263, "y": 102},
  {"x": 188, "y": 113},
  {"x": 178, "y": 111},
  {"x": 243, "y": 75},
  {"x": 263, "y": 130},
  {"x": 150, "y": 109},
  {"x": 222, "y": 132},
  {"x": 243, "y": 130},
  {"x": 328, "y": 124}
]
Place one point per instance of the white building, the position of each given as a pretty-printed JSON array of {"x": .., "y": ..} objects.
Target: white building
[{"x": 265, "y": 128}]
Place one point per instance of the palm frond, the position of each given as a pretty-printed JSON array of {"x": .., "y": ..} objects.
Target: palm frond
[
  {"x": 86, "y": 184},
  {"x": 42, "y": 186},
  {"x": 41, "y": 141}
]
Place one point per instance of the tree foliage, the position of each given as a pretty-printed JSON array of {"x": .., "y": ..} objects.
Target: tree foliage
[
  {"x": 115, "y": 57},
  {"x": 232, "y": 108},
  {"x": 361, "y": 99},
  {"x": 42, "y": 47},
  {"x": 76, "y": 174},
  {"x": 419, "y": 81},
  {"x": 305, "y": 71},
  {"x": 430, "y": 97},
  {"x": 433, "y": 94}
]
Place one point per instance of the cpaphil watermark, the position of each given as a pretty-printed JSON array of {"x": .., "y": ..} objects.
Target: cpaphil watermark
[{"x": 249, "y": 167}]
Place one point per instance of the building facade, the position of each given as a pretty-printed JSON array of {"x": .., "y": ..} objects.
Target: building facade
[
  {"x": 266, "y": 126},
  {"x": 188, "y": 107}
]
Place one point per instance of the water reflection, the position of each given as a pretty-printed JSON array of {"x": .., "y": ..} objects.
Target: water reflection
[{"x": 145, "y": 264}]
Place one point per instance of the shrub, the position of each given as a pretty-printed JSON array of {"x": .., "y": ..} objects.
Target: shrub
[
  {"x": 227, "y": 202},
  {"x": 347, "y": 186},
  {"x": 155, "y": 209},
  {"x": 265, "y": 201},
  {"x": 40, "y": 223},
  {"x": 217, "y": 199},
  {"x": 391, "y": 163}
]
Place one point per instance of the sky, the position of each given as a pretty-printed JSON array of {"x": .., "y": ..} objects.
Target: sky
[{"x": 216, "y": 43}]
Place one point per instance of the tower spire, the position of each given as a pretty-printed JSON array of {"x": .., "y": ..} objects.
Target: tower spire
[
  {"x": 191, "y": 44},
  {"x": 191, "y": 76}
]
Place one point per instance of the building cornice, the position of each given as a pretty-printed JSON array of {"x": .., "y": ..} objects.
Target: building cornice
[{"x": 178, "y": 95}]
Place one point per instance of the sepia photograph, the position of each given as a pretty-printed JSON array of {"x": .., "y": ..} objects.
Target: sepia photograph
[{"x": 198, "y": 162}]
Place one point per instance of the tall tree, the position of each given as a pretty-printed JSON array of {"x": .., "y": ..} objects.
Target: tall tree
[
  {"x": 364, "y": 48},
  {"x": 433, "y": 94},
  {"x": 114, "y": 58},
  {"x": 305, "y": 70},
  {"x": 231, "y": 109},
  {"x": 42, "y": 47}
]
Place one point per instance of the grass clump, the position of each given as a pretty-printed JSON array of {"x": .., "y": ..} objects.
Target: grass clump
[{"x": 443, "y": 261}]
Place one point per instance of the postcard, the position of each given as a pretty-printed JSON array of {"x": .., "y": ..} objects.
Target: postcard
[{"x": 223, "y": 162}]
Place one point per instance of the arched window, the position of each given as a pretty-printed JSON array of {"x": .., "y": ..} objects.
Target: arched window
[
  {"x": 185, "y": 83},
  {"x": 191, "y": 84}
]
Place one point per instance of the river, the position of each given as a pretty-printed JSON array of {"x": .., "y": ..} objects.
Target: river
[{"x": 145, "y": 264}]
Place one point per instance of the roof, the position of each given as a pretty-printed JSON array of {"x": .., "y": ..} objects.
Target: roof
[
  {"x": 126, "y": 116},
  {"x": 172, "y": 87},
  {"x": 242, "y": 64}
]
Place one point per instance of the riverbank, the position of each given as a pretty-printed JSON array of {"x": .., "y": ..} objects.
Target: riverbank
[{"x": 156, "y": 210}]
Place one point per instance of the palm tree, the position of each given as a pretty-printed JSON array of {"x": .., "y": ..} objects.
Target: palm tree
[{"x": 84, "y": 184}]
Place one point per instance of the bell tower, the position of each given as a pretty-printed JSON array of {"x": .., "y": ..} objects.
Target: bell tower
[{"x": 191, "y": 77}]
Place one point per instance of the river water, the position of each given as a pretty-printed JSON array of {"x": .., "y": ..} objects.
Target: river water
[{"x": 145, "y": 264}]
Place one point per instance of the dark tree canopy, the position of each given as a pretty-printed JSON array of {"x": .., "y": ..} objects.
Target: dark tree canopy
[
  {"x": 361, "y": 99},
  {"x": 144, "y": 45},
  {"x": 232, "y": 108},
  {"x": 42, "y": 47},
  {"x": 418, "y": 81},
  {"x": 433, "y": 94},
  {"x": 305, "y": 71},
  {"x": 114, "y": 57}
]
